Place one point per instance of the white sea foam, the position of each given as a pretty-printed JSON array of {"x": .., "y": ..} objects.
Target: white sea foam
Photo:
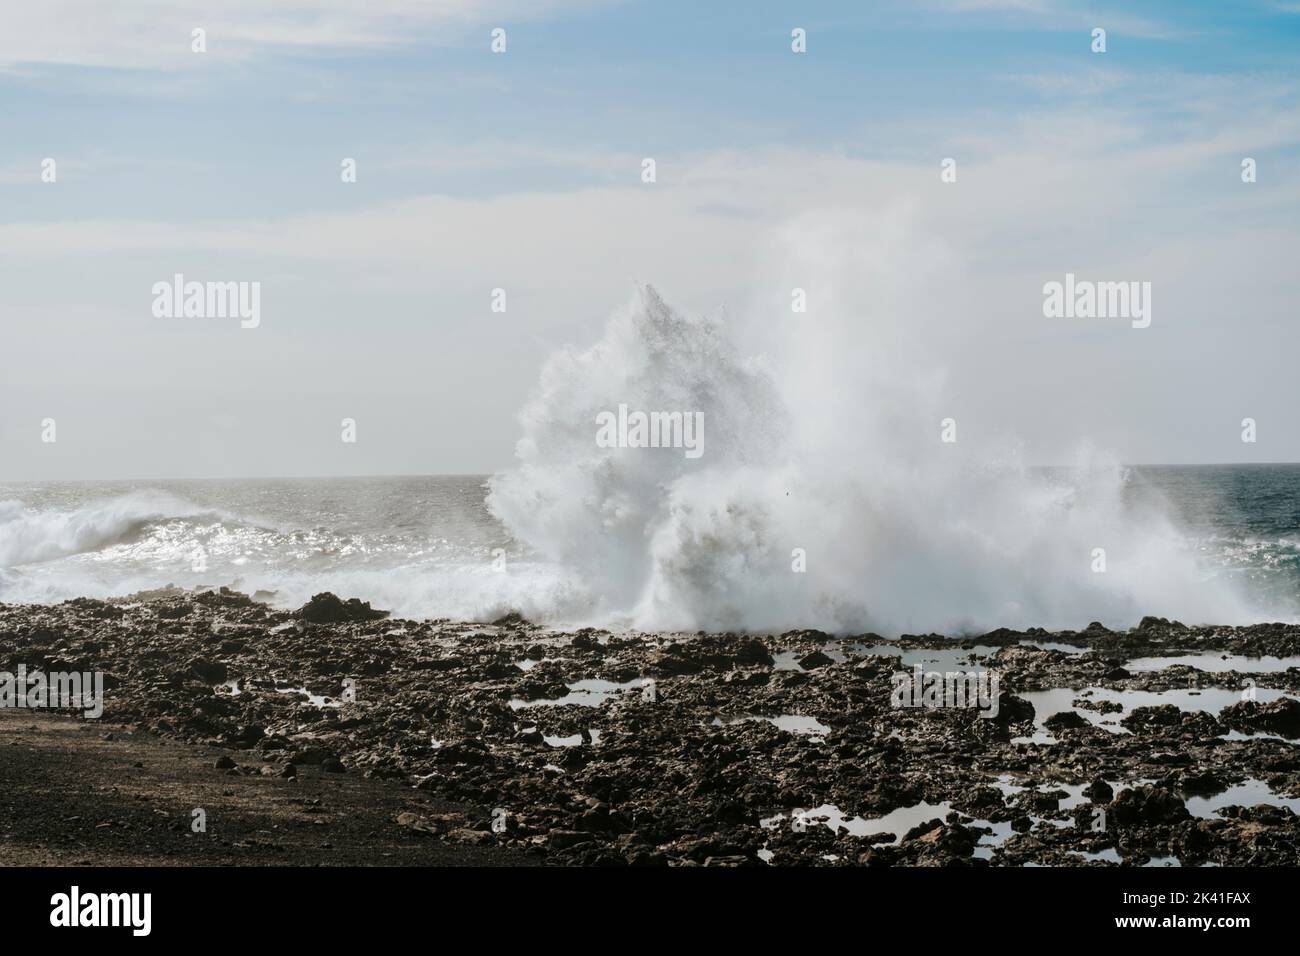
[
  {"x": 28, "y": 535},
  {"x": 833, "y": 446},
  {"x": 112, "y": 546}
]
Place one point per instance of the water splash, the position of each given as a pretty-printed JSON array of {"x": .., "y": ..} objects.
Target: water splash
[{"x": 900, "y": 531}]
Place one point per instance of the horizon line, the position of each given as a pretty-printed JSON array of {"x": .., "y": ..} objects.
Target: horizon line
[{"x": 489, "y": 474}]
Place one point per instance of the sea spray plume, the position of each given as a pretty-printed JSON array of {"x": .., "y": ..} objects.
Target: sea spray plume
[
  {"x": 597, "y": 509},
  {"x": 928, "y": 535},
  {"x": 901, "y": 534}
]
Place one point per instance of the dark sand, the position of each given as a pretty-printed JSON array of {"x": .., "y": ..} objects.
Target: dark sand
[{"x": 75, "y": 792}]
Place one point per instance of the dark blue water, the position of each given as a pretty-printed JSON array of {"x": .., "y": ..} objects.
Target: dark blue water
[{"x": 1243, "y": 520}]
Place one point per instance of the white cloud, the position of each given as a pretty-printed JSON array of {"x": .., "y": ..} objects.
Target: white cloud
[
  {"x": 155, "y": 34},
  {"x": 391, "y": 299},
  {"x": 1054, "y": 15}
]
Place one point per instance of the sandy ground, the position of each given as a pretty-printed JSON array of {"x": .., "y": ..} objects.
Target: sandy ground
[{"x": 79, "y": 793}]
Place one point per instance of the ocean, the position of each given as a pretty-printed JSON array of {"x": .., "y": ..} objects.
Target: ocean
[{"x": 435, "y": 547}]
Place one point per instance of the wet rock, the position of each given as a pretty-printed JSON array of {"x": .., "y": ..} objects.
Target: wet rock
[
  {"x": 1046, "y": 801},
  {"x": 750, "y": 678},
  {"x": 1013, "y": 710},
  {"x": 981, "y": 802},
  {"x": 814, "y": 660},
  {"x": 921, "y": 830},
  {"x": 1065, "y": 720},
  {"x": 596, "y": 820},
  {"x": 249, "y": 734},
  {"x": 671, "y": 662},
  {"x": 1099, "y": 791},
  {"x": 209, "y": 671},
  {"x": 1147, "y": 804},
  {"x": 464, "y": 751},
  {"x": 681, "y": 778},
  {"x": 1098, "y": 706},
  {"x": 753, "y": 652},
  {"x": 1166, "y": 715},
  {"x": 328, "y": 608},
  {"x": 1280, "y": 717},
  {"x": 565, "y": 839},
  {"x": 1205, "y": 782}
]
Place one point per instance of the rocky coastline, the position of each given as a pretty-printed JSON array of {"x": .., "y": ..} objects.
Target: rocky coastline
[{"x": 595, "y": 748}]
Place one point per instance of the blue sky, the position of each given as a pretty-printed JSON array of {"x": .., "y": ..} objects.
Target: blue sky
[
  {"x": 520, "y": 170},
  {"x": 236, "y": 136}
]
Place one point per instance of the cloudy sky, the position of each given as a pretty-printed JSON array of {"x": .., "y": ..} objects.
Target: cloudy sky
[{"x": 522, "y": 171}]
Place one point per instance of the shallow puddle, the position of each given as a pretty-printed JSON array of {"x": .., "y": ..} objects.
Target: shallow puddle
[
  {"x": 576, "y": 740},
  {"x": 1054, "y": 646},
  {"x": 1108, "y": 855},
  {"x": 1249, "y": 793},
  {"x": 791, "y": 723},
  {"x": 584, "y": 693},
  {"x": 897, "y": 822},
  {"x": 316, "y": 700},
  {"x": 1214, "y": 663},
  {"x": 1074, "y": 791},
  {"x": 1058, "y": 700},
  {"x": 789, "y": 660},
  {"x": 931, "y": 658},
  {"x": 233, "y": 689}
]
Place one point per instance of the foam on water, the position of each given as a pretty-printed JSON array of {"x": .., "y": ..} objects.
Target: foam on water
[
  {"x": 28, "y": 535},
  {"x": 419, "y": 547},
  {"x": 901, "y": 532}
]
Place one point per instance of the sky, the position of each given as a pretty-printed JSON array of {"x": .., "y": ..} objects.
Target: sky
[{"x": 522, "y": 170}]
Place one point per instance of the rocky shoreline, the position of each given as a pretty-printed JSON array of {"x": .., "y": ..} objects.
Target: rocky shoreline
[{"x": 589, "y": 747}]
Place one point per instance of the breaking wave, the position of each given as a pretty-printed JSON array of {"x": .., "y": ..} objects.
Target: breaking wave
[
  {"x": 28, "y": 535},
  {"x": 422, "y": 548},
  {"x": 828, "y": 454}
]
